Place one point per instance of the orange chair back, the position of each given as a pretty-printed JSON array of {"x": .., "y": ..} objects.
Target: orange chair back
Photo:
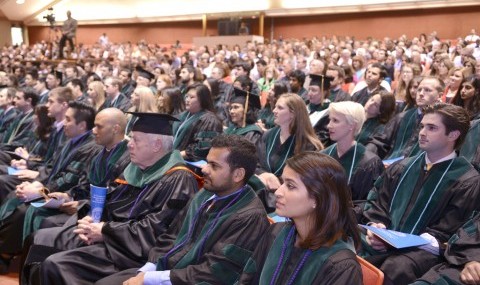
[{"x": 371, "y": 274}]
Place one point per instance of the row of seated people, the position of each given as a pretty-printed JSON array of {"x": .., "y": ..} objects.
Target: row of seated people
[{"x": 274, "y": 148}]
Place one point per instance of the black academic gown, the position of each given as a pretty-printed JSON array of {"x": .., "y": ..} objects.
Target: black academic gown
[
  {"x": 363, "y": 95},
  {"x": 240, "y": 222},
  {"x": 128, "y": 88},
  {"x": 326, "y": 266},
  {"x": 122, "y": 103},
  {"x": 362, "y": 168},
  {"x": 463, "y": 247},
  {"x": 21, "y": 132},
  {"x": 398, "y": 137},
  {"x": 319, "y": 118},
  {"x": 252, "y": 132},
  {"x": 194, "y": 133},
  {"x": 399, "y": 206},
  {"x": 370, "y": 127},
  {"x": 55, "y": 142},
  {"x": 105, "y": 167},
  {"x": 339, "y": 95},
  {"x": 272, "y": 155},
  {"x": 471, "y": 146},
  {"x": 134, "y": 217},
  {"x": 6, "y": 119},
  {"x": 69, "y": 173}
]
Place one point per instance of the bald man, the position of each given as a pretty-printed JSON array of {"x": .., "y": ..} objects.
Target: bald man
[
  {"x": 106, "y": 166},
  {"x": 154, "y": 188}
]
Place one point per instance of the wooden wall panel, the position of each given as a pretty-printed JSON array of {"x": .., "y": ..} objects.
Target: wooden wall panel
[{"x": 448, "y": 22}]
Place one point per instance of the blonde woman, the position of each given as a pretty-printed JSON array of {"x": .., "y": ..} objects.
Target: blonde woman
[
  {"x": 143, "y": 100},
  {"x": 96, "y": 94}
]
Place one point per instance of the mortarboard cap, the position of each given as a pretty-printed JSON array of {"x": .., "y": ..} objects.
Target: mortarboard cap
[
  {"x": 144, "y": 73},
  {"x": 153, "y": 123},
  {"x": 240, "y": 96},
  {"x": 247, "y": 99},
  {"x": 320, "y": 80}
]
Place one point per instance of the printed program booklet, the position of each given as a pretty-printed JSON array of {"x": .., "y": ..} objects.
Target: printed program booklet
[{"x": 397, "y": 239}]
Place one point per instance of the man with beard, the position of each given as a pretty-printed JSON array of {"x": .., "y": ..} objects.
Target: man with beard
[
  {"x": 373, "y": 77},
  {"x": 187, "y": 78},
  {"x": 154, "y": 189},
  {"x": 218, "y": 233}
]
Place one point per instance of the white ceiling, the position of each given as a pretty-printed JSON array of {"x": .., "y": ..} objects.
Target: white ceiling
[{"x": 133, "y": 11}]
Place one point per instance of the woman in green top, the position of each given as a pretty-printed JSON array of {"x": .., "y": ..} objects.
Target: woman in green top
[
  {"x": 378, "y": 110},
  {"x": 242, "y": 111},
  {"x": 315, "y": 247},
  {"x": 292, "y": 135},
  {"x": 198, "y": 124}
]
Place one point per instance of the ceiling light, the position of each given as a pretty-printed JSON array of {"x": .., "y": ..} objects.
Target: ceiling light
[{"x": 20, "y": 1}]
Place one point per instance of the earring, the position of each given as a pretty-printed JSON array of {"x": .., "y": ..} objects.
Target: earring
[{"x": 314, "y": 206}]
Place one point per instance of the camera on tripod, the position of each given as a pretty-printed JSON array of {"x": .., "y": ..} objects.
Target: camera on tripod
[{"x": 50, "y": 17}]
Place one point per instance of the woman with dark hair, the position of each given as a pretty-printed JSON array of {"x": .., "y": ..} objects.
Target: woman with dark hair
[
  {"x": 468, "y": 97},
  {"x": 315, "y": 246},
  {"x": 34, "y": 153},
  {"x": 411, "y": 94},
  {"x": 469, "y": 64},
  {"x": 170, "y": 101},
  {"x": 215, "y": 85},
  {"x": 378, "y": 110},
  {"x": 265, "y": 116},
  {"x": 198, "y": 125},
  {"x": 44, "y": 125},
  {"x": 93, "y": 77},
  {"x": 242, "y": 114}
]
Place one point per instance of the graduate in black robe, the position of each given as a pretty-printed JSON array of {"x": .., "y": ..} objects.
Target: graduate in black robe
[
  {"x": 378, "y": 110},
  {"x": 21, "y": 130},
  {"x": 317, "y": 106},
  {"x": 361, "y": 166},
  {"x": 198, "y": 124},
  {"x": 69, "y": 172},
  {"x": 471, "y": 147},
  {"x": 316, "y": 246},
  {"x": 400, "y": 135},
  {"x": 463, "y": 250},
  {"x": 106, "y": 166},
  {"x": 8, "y": 111},
  {"x": 155, "y": 188},
  {"x": 293, "y": 135},
  {"x": 217, "y": 229},
  {"x": 243, "y": 107},
  {"x": 431, "y": 194}
]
